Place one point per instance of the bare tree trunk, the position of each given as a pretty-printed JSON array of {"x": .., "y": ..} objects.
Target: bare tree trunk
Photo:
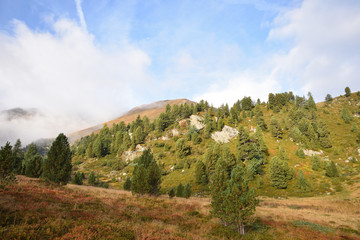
[{"x": 242, "y": 229}]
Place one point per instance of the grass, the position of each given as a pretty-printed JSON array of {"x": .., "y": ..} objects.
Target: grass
[{"x": 32, "y": 209}]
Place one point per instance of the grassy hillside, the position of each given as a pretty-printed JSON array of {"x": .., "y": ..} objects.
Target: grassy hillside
[
  {"x": 32, "y": 209},
  {"x": 344, "y": 151}
]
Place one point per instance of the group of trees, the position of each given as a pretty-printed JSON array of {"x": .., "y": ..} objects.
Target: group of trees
[{"x": 56, "y": 167}]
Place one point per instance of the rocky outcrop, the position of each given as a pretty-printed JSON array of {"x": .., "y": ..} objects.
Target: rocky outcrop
[
  {"x": 131, "y": 155},
  {"x": 197, "y": 122},
  {"x": 225, "y": 135},
  {"x": 312, "y": 152}
]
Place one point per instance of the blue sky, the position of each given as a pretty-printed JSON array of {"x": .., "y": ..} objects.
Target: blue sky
[{"x": 85, "y": 62}]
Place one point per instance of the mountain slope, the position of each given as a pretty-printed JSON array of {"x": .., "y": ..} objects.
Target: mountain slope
[{"x": 151, "y": 110}]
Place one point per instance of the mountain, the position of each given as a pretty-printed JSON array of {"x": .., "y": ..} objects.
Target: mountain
[
  {"x": 151, "y": 110},
  {"x": 18, "y": 113}
]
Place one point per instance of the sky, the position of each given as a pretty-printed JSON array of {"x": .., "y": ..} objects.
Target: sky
[{"x": 83, "y": 62}]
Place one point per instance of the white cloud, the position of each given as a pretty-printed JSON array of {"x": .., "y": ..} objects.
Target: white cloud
[
  {"x": 326, "y": 49},
  {"x": 323, "y": 57},
  {"x": 67, "y": 76},
  {"x": 80, "y": 14}
]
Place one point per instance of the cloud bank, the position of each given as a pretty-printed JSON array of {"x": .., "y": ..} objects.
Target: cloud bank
[
  {"x": 73, "y": 82},
  {"x": 323, "y": 55}
]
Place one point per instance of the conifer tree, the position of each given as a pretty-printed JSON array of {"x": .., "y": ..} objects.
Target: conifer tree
[
  {"x": 57, "y": 166},
  {"x": 245, "y": 149},
  {"x": 228, "y": 158},
  {"x": 181, "y": 148},
  {"x": 33, "y": 166},
  {"x": 200, "y": 171},
  {"x": 187, "y": 191},
  {"x": 302, "y": 183},
  {"x": 6, "y": 164},
  {"x": 212, "y": 154},
  {"x": 347, "y": 92},
  {"x": 171, "y": 193},
  {"x": 91, "y": 179},
  {"x": 18, "y": 156},
  {"x": 207, "y": 130},
  {"x": 331, "y": 170},
  {"x": 316, "y": 163},
  {"x": 127, "y": 184},
  {"x": 240, "y": 201},
  {"x": 180, "y": 190},
  {"x": 275, "y": 128},
  {"x": 78, "y": 178},
  {"x": 328, "y": 98},
  {"x": 278, "y": 173},
  {"x": 146, "y": 175}
]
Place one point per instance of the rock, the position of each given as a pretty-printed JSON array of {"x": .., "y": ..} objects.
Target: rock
[
  {"x": 165, "y": 138},
  {"x": 175, "y": 132},
  {"x": 196, "y": 121},
  {"x": 312, "y": 152},
  {"x": 131, "y": 155},
  {"x": 183, "y": 123},
  {"x": 225, "y": 135},
  {"x": 252, "y": 129}
]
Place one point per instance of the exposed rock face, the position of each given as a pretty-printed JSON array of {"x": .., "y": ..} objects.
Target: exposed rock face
[
  {"x": 131, "y": 155},
  {"x": 175, "y": 132},
  {"x": 312, "y": 152},
  {"x": 196, "y": 121},
  {"x": 225, "y": 135},
  {"x": 183, "y": 123}
]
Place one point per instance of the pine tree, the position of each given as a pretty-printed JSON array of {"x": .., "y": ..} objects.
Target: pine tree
[
  {"x": 302, "y": 183},
  {"x": 180, "y": 190},
  {"x": 229, "y": 158},
  {"x": 240, "y": 201},
  {"x": 33, "y": 166},
  {"x": 171, "y": 193},
  {"x": 275, "y": 128},
  {"x": 18, "y": 157},
  {"x": 57, "y": 166},
  {"x": 78, "y": 178},
  {"x": 91, "y": 179},
  {"x": 181, "y": 148},
  {"x": 200, "y": 171},
  {"x": 146, "y": 175},
  {"x": 127, "y": 184},
  {"x": 347, "y": 92},
  {"x": 328, "y": 98},
  {"x": 316, "y": 163},
  {"x": 212, "y": 154},
  {"x": 6, "y": 165},
  {"x": 245, "y": 149},
  {"x": 278, "y": 173},
  {"x": 331, "y": 170},
  {"x": 187, "y": 191}
]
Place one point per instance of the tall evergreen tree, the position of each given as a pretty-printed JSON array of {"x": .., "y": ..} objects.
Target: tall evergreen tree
[
  {"x": 279, "y": 173},
  {"x": 240, "y": 201},
  {"x": 275, "y": 128},
  {"x": 245, "y": 149},
  {"x": 187, "y": 191},
  {"x": 200, "y": 171},
  {"x": 212, "y": 154},
  {"x": 127, "y": 184},
  {"x": 331, "y": 169},
  {"x": 18, "y": 156},
  {"x": 33, "y": 166},
  {"x": 6, "y": 164},
  {"x": 180, "y": 190},
  {"x": 57, "y": 166}
]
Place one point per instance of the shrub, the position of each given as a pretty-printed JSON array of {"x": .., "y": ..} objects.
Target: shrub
[
  {"x": 78, "y": 178},
  {"x": 127, "y": 184},
  {"x": 171, "y": 193}
]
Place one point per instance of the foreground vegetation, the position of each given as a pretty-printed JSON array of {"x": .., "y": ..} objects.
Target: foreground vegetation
[{"x": 32, "y": 209}]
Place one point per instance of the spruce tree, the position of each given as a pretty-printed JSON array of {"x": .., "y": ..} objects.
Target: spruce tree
[
  {"x": 171, "y": 193},
  {"x": 347, "y": 92},
  {"x": 316, "y": 163},
  {"x": 200, "y": 171},
  {"x": 33, "y": 166},
  {"x": 78, "y": 178},
  {"x": 331, "y": 169},
  {"x": 278, "y": 173},
  {"x": 57, "y": 166},
  {"x": 6, "y": 165},
  {"x": 275, "y": 128},
  {"x": 302, "y": 183},
  {"x": 91, "y": 179},
  {"x": 18, "y": 156},
  {"x": 240, "y": 201},
  {"x": 212, "y": 154},
  {"x": 187, "y": 191},
  {"x": 127, "y": 184},
  {"x": 245, "y": 148},
  {"x": 181, "y": 148},
  {"x": 180, "y": 190}
]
